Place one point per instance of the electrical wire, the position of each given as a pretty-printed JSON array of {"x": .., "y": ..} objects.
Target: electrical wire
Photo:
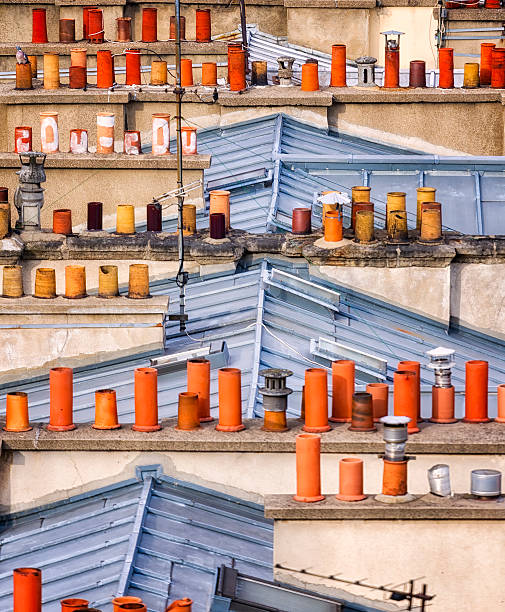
[
  {"x": 270, "y": 161},
  {"x": 322, "y": 182},
  {"x": 319, "y": 365}
]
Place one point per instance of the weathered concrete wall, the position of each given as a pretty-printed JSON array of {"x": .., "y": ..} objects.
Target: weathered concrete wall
[
  {"x": 419, "y": 27},
  {"x": 16, "y": 17},
  {"x": 72, "y": 188},
  {"x": 471, "y": 295},
  {"x": 320, "y": 28},
  {"x": 16, "y": 21},
  {"x": 269, "y": 15},
  {"x": 249, "y": 475},
  {"x": 110, "y": 14},
  {"x": 76, "y": 332},
  {"x": 443, "y": 553},
  {"x": 446, "y": 129},
  {"x": 423, "y": 290},
  {"x": 478, "y": 297},
  {"x": 316, "y": 115},
  {"x": 317, "y": 26},
  {"x": 70, "y": 116}
]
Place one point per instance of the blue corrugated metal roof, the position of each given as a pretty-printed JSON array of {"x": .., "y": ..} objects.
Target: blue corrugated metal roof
[
  {"x": 294, "y": 314},
  {"x": 79, "y": 545},
  {"x": 274, "y": 164},
  {"x": 268, "y": 318},
  {"x": 160, "y": 539}
]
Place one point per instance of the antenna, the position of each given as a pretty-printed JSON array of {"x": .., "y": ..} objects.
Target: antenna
[
  {"x": 410, "y": 596},
  {"x": 182, "y": 276}
]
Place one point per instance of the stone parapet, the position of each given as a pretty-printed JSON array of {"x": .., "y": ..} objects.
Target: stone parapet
[
  {"x": 113, "y": 161},
  {"x": 163, "y": 246},
  {"x": 443, "y": 122},
  {"x": 476, "y": 14},
  {"x": 446, "y": 440},
  {"x": 421, "y": 508},
  {"x": 405, "y": 95}
]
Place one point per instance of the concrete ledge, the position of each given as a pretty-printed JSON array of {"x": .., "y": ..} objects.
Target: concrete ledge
[
  {"x": 66, "y": 2},
  {"x": 83, "y": 2},
  {"x": 29, "y": 305},
  {"x": 350, "y": 253},
  {"x": 355, "y": 4},
  {"x": 199, "y": 95},
  {"x": 325, "y": 4},
  {"x": 478, "y": 14},
  {"x": 404, "y": 3},
  {"x": 25, "y": 2},
  {"x": 63, "y": 95},
  {"x": 162, "y": 246},
  {"x": 276, "y": 96},
  {"x": 114, "y": 160},
  {"x": 406, "y": 95},
  {"x": 478, "y": 249},
  {"x": 269, "y": 96},
  {"x": 165, "y": 47},
  {"x": 425, "y": 507},
  {"x": 213, "y": 2},
  {"x": 456, "y": 439},
  {"x": 11, "y": 249}
]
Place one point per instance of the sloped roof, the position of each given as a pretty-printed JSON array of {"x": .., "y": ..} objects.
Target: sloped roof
[
  {"x": 274, "y": 164},
  {"x": 80, "y": 545},
  {"x": 154, "y": 537},
  {"x": 237, "y": 592},
  {"x": 274, "y": 316}
]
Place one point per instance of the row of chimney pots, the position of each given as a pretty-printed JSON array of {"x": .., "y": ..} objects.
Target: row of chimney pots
[
  {"x": 75, "y": 282},
  {"x": 27, "y": 597},
  {"x": 489, "y": 73},
  {"x": 362, "y": 410},
  {"x": 485, "y": 483},
  {"x": 93, "y": 26},
  {"x": 78, "y": 141},
  {"x": 362, "y": 216},
  {"x": 219, "y": 218}
]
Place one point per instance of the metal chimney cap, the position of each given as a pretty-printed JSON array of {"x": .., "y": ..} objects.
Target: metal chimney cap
[
  {"x": 275, "y": 373},
  {"x": 366, "y": 59},
  {"x": 395, "y": 421},
  {"x": 392, "y": 33},
  {"x": 485, "y": 483},
  {"x": 440, "y": 353}
]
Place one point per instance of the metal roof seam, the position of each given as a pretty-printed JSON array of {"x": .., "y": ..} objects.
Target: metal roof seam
[{"x": 135, "y": 536}]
